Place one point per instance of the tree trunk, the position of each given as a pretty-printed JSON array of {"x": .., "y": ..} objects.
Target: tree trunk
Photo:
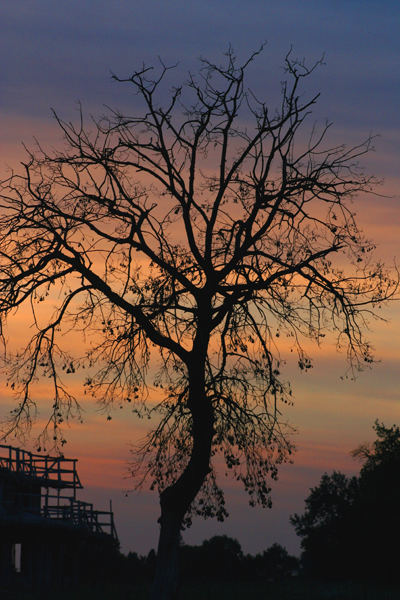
[
  {"x": 176, "y": 500},
  {"x": 165, "y": 585}
]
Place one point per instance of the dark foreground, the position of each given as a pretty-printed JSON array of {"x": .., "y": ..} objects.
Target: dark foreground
[{"x": 295, "y": 589}]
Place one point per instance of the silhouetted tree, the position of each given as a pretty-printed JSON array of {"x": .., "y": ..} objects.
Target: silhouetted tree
[
  {"x": 191, "y": 235},
  {"x": 378, "y": 501},
  {"x": 220, "y": 557},
  {"x": 327, "y": 526},
  {"x": 351, "y": 525},
  {"x": 275, "y": 563}
]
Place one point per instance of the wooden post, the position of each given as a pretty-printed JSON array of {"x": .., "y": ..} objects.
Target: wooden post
[
  {"x": 74, "y": 477},
  {"x": 111, "y": 519}
]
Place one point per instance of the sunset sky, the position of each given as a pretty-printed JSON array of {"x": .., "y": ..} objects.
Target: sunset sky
[{"x": 54, "y": 54}]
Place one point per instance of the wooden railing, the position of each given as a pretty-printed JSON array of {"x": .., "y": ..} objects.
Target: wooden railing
[
  {"x": 79, "y": 513},
  {"x": 64, "y": 508},
  {"x": 54, "y": 471}
]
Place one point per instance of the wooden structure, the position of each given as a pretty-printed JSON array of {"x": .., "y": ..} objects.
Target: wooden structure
[{"x": 47, "y": 536}]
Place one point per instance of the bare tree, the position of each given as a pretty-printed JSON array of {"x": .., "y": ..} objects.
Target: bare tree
[{"x": 187, "y": 244}]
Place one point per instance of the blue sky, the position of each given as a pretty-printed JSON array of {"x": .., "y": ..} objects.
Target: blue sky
[{"x": 53, "y": 53}]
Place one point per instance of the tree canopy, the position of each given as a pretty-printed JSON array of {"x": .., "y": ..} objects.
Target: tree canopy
[
  {"x": 189, "y": 242},
  {"x": 351, "y": 525}
]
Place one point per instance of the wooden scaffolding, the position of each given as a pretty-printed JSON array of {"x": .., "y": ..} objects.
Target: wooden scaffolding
[{"x": 48, "y": 536}]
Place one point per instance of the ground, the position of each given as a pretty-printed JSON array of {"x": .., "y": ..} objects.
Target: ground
[{"x": 295, "y": 589}]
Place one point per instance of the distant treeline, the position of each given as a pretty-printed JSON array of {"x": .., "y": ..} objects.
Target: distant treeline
[
  {"x": 351, "y": 525},
  {"x": 350, "y": 530},
  {"x": 219, "y": 558}
]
